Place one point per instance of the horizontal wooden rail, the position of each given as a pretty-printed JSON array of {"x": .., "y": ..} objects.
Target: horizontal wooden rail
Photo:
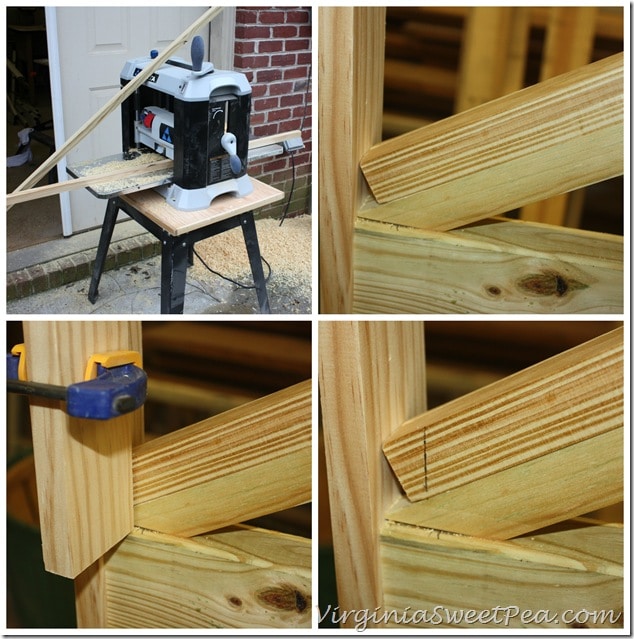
[
  {"x": 250, "y": 461},
  {"x": 239, "y": 578},
  {"x": 497, "y": 266},
  {"x": 573, "y": 567},
  {"x": 568, "y": 398},
  {"x": 561, "y": 134}
]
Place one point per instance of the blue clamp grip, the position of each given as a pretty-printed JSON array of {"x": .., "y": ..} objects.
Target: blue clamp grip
[
  {"x": 13, "y": 362},
  {"x": 115, "y": 391}
]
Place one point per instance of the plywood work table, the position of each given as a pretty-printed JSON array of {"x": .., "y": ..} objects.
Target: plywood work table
[{"x": 178, "y": 231}]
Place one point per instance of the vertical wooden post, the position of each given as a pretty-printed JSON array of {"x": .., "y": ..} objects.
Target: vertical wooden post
[
  {"x": 351, "y": 61},
  {"x": 83, "y": 467},
  {"x": 371, "y": 377},
  {"x": 493, "y": 54}
]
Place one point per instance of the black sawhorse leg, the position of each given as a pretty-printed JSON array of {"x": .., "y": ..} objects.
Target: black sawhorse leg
[
  {"x": 255, "y": 259},
  {"x": 177, "y": 254},
  {"x": 110, "y": 219}
]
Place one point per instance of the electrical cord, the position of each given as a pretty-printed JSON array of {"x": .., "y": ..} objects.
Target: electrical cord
[
  {"x": 292, "y": 153},
  {"x": 228, "y": 279}
]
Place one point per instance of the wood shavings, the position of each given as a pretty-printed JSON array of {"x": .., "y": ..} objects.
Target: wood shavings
[{"x": 286, "y": 248}]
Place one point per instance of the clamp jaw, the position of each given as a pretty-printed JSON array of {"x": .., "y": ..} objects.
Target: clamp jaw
[{"x": 114, "y": 384}]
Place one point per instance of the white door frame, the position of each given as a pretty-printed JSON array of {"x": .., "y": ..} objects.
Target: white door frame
[{"x": 58, "y": 113}]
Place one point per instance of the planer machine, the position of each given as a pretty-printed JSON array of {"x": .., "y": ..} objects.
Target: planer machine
[{"x": 196, "y": 115}]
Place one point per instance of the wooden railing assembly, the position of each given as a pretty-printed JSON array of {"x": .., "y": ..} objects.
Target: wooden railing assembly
[
  {"x": 138, "y": 525},
  {"x": 408, "y": 224},
  {"x": 474, "y": 505}
]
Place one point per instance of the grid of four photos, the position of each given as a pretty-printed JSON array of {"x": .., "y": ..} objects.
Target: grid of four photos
[{"x": 408, "y": 414}]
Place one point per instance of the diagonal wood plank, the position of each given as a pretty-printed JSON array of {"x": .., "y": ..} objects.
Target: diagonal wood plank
[
  {"x": 503, "y": 154},
  {"x": 566, "y": 483},
  {"x": 572, "y": 397},
  {"x": 250, "y": 461}
]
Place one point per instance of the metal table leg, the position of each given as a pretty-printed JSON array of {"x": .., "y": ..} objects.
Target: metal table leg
[
  {"x": 110, "y": 218},
  {"x": 253, "y": 249},
  {"x": 174, "y": 260}
]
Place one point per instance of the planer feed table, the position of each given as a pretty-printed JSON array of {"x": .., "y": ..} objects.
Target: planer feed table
[{"x": 119, "y": 164}]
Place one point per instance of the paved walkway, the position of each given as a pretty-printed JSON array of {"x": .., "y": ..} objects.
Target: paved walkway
[{"x": 54, "y": 278}]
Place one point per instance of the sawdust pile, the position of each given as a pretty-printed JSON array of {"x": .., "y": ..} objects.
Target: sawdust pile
[{"x": 287, "y": 248}]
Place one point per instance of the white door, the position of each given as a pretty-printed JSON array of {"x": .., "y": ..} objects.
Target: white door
[{"x": 93, "y": 44}]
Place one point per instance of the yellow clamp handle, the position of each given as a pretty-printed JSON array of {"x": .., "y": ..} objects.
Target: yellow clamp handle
[
  {"x": 19, "y": 351},
  {"x": 111, "y": 359}
]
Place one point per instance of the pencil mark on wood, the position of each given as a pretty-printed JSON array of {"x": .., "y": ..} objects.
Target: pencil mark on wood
[{"x": 425, "y": 455}]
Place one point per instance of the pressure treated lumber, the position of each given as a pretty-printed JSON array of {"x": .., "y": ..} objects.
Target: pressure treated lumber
[
  {"x": 509, "y": 152},
  {"x": 351, "y": 42},
  {"x": 239, "y": 578},
  {"x": 372, "y": 375},
  {"x": 118, "y": 98},
  {"x": 574, "y": 567},
  {"x": 250, "y": 461},
  {"x": 568, "y": 482},
  {"x": 497, "y": 266},
  {"x": 83, "y": 467},
  {"x": 569, "y": 398}
]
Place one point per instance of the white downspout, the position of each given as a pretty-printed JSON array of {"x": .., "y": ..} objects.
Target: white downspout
[{"x": 58, "y": 111}]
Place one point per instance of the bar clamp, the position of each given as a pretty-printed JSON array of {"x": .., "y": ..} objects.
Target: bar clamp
[{"x": 114, "y": 384}]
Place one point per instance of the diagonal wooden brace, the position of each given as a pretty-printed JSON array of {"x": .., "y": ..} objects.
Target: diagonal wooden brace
[{"x": 538, "y": 447}]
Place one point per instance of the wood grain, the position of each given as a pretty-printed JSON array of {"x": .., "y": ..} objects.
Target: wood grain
[
  {"x": 493, "y": 267},
  {"x": 83, "y": 467},
  {"x": 250, "y": 461},
  {"x": 529, "y": 496},
  {"x": 372, "y": 374},
  {"x": 243, "y": 578},
  {"x": 503, "y": 154},
  {"x": 351, "y": 41},
  {"x": 569, "y": 398},
  {"x": 175, "y": 222},
  {"x": 574, "y": 567}
]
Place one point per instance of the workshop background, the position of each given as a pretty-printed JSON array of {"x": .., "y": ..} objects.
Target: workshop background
[{"x": 444, "y": 60}]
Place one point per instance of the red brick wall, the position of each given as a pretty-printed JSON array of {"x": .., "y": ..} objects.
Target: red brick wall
[{"x": 273, "y": 49}]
